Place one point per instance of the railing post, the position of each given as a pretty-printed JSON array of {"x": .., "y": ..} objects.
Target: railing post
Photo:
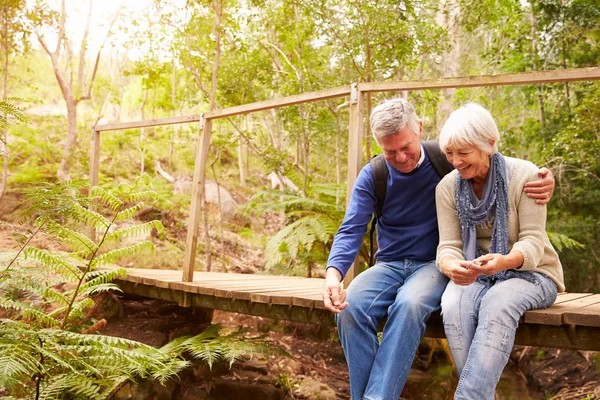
[
  {"x": 355, "y": 139},
  {"x": 94, "y": 170},
  {"x": 198, "y": 187}
]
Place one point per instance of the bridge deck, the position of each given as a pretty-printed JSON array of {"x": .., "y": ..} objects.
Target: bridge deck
[{"x": 572, "y": 322}]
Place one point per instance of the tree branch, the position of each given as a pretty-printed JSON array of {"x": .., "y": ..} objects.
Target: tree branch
[
  {"x": 88, "y": 94},
  {"x": 83, "y": 49}
]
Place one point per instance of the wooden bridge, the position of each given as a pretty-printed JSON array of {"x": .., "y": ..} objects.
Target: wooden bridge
[{"x": 573, "y": 322}]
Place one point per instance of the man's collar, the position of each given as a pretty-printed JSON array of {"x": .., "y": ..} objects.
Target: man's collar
[{"x": 422, "y": 158}]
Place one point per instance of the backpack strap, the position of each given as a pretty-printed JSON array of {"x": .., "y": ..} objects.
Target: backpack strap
[
  {"x": 437, "y": 158},
  {"x": 380, "y": 176}
]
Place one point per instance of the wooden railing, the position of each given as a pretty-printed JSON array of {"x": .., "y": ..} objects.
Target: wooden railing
[{"x": 356, "y": 93}]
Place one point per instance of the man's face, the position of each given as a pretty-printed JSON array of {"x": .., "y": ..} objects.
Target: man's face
[{"x": 402, "y": 150}]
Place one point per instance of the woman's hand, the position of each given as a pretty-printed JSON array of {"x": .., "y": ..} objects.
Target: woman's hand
[
  {"x": 491, "y": 263},
  {"x": 459, "y": 271}
]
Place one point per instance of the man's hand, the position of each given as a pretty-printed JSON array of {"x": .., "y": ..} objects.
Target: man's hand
[
  {"x": 458, "y": 271},
  {"x": 334, "y": 297},
  {"x": 541, "y": 189}
]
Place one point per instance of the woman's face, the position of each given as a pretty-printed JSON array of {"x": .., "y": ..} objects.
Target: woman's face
[{"x": 470, "y": 161}]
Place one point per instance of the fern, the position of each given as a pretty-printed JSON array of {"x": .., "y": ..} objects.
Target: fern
[
  {"x": 310, "y": 220},
  {"x": 77, "y": 241},
  {"x": 10, "y": 111},
  {"x": 107, "y": 198},
  {"x": 561, "y": 241},
  {"x": 41, "y": 353},
  {"x": 298, "y": 236},
  {"x": 129, "y": 213},
  {"x": 135, "y": 230},
  {"x": 54, "y": 262},
  {"x": 113, "y": 256},
  {"x": 211, "y": 347}
]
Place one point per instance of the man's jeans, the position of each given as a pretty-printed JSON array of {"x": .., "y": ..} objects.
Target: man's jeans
[
  {"x": 480, "y": 321},
  {"x": 406, "y": 292}
]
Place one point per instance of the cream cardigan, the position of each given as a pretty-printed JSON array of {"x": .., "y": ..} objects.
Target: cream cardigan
[{"x": 526, "y": 224}]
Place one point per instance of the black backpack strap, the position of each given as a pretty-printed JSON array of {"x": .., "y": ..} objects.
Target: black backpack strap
[
  {"x": 380, "y": 176},
  {"x": 437, "y": 158}
]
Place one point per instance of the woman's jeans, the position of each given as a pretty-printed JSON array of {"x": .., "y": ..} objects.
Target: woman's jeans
[
  {"x": 480, "y": 321},
  {"x": 406, "y": 292}
]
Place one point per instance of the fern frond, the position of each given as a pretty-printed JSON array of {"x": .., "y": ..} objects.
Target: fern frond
[
  {"x": 98, "y": 221},
  {"x": 80, "y": 307},
  {"x": 76, "y": 386},
  {"x": 51, "y": 294},
  {"x": 54, "y": 262},
  {"x": 35, "y": 315},
  {"x": 300, "y": 234},
  {"x": 105, "y": 287},
  {"x": 75, "y": 240},
  {"x": 113, "y": 256},
  {"x": 129, "y": 213},
  {"x": 11, "y": 304},
  {"x": 561, "y": 241},
  {"x": 146, "y": 195},
  {"x": 103, "y": 277},
  {"x": 15, "y": 364},
  {"x": 210, "y": 346},
  {"x": 107, "y": 198},
  {"x": 135, "y": 230}
]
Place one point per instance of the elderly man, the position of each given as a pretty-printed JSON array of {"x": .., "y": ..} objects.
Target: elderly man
[{"x": 404, "y": 285}]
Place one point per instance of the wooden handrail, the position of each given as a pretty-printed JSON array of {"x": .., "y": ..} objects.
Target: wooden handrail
[
  {"x": 519, "y": 78},
  {"x": 280, "y": 102},
  {"x": 148, "y": 122}
]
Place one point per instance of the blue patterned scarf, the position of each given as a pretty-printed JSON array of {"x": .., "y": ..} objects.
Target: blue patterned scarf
[{"x": 494, "y": 203}]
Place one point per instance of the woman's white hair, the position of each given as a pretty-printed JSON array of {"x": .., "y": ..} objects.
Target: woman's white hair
[{"x": 470, "y": 125}]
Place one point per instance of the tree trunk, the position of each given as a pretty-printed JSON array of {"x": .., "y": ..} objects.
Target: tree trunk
[
  {"x": 63, "y": 172},
  {"x": 4, "y": 147},
  {"x": 534, "y": 57},
  {"x": 241, "y": 164},
  {"x": 449, "y": 17},
  {"x": 143, "y": 134}
]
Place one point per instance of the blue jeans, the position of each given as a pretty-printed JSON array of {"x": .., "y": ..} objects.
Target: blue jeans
[
  {"x": 480, "y": 321},
  {"x": 406, "y": 292}
]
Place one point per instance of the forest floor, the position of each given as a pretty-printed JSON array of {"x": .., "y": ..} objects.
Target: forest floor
[{"x": 317, "y": 367}]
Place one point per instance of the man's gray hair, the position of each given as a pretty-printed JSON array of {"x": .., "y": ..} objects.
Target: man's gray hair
[
  {"x": 470, "y": 125},
  {"x": 391, "y": 117}
]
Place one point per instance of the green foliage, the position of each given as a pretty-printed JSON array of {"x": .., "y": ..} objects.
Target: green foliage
[
  {"x": 309, "y": 220},
  {"x": 43, "y": 351},
  {"x": 561, "y": 241},
  {"x": 211, "y": 347},
  {"x": 9, "y": 112},
  {"x": 37, "y": 345}
]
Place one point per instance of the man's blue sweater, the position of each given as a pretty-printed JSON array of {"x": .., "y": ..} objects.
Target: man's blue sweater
[{"x": 408, "y": 227}]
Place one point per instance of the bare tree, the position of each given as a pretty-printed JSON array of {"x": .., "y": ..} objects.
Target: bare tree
[{"x": 71, "y": 76}]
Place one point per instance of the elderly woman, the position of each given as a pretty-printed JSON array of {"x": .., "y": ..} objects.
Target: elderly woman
[{"x": 493, "y": 247}]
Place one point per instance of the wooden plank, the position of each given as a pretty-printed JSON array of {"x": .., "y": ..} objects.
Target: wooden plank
[
  {"x": 280, "y": 102},
  {"x": 585, "y": 316},
  {"x": 555, "y": 315},
  {"x": 521, "y": 78},
  {"x": 148, "y": 122},
  {"x": 191, "y": 242},
  {"x": 564, "y": 297},
  {"x": 355, "y": 139}
]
